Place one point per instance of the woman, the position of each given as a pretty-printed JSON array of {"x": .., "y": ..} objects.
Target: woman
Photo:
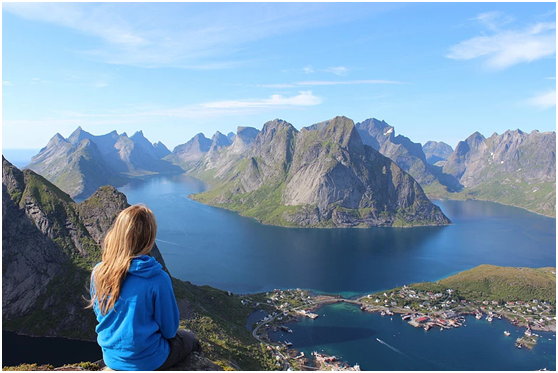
[{"x": 134, "y": 301}]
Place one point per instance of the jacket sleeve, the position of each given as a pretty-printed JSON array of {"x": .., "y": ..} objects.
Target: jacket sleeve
[{"x": 166, "y": 310}]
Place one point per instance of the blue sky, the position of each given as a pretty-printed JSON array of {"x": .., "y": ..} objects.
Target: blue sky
[{"x": 434, "y": 71}]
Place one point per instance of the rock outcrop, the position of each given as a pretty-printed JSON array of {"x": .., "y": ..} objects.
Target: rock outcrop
[
  {"x": 49, "y": 246},
  {"x": 321, "y": 177}
]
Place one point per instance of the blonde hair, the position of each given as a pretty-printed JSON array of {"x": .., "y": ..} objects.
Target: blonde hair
[{"x": 132, "y": 234}]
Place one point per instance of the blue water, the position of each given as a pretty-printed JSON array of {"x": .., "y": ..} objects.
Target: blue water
[
  {"x": 212, "y": 246},
  {"x": 18, "y": 349},
  {"x": 345, "y": 331}
]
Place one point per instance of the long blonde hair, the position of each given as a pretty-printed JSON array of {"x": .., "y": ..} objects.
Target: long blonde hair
[{"x": 133, "y": 234}]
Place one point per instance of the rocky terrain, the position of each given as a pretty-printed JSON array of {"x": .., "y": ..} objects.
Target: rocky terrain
[
  {"x": 49, "y": 246},
  {"x": 83, "y": 162},
  {"x": 514, "y": 168},
  {"x": 436, "y": 151},
  {"x": 318, "y": 177},
  {"x": 407, "y": 155}
]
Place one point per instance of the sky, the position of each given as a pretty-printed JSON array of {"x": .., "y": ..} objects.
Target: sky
[{"x": 434, "y": 71}]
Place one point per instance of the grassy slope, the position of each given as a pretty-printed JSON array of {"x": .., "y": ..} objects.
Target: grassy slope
[{"x": 489, "y": 282}]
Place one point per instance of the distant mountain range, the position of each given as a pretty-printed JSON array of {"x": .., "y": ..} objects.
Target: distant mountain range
[
  {"x": 513, "y": 168},
  {"x": 83, "y": 162}
]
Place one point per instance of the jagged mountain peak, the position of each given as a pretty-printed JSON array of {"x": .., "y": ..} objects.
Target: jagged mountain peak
[{"x": 138, "y": 134}]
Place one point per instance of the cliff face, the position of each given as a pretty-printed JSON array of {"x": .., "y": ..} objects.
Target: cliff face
[
  {"x": 515, "y": 168},
  {"x": 83, "y": 162},
  {"x": 407, "y": 154},
  {"x": 49, "y": 246},
  {"x": 321, "y": 177}
]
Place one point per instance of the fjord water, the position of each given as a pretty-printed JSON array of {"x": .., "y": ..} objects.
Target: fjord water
[
  {"x": 388, "y": 343},
  {"x": 208, "y": 245},
  {"x": 216, "y": 247}
]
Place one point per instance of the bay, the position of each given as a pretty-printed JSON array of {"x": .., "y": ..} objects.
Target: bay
[
  {"x": 212, "y": 246},
  {"x": 378, "y": 342}
]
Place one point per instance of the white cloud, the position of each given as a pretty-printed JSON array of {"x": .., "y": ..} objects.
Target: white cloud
[
  {"x": 339, "y": 70},
  {"x": 544, "y": 100},
  {"x": 493, "y": 20},
  {"x": 304, "y": 98},
  {"x": 308, "y": 69},
  {"x": 505, "y": 48},
  {"x": 100, "y": 85},
  {"x": 5, "y": 82}
]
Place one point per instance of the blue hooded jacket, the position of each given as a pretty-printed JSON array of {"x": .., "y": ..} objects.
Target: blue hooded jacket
[{"x": 133, "y": 335}]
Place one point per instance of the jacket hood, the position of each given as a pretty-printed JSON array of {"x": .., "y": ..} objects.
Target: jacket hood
[{"x": 145, "y": 266}]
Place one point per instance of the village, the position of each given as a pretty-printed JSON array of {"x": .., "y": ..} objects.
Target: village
[
  {"x": 283, "y": 307},
  {"x": 446, "y": 310},
  {"x": 420, "y": 308}
]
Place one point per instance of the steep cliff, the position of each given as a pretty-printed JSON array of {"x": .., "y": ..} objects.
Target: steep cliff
[
  {"x": 407, "y": 154},
  {"x": 514, "y": 168},
  {"x": 49, "y": 246},
  {"x": 323, "y": 177}
]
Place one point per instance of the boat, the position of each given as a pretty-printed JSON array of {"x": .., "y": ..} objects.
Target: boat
[
  {"x": 288, "y": 344},
  {"x": 406, "y": 317},
  {"x": 289, "y": 331},
  {"x": 478, "y": 316},
  {"x": 427, "y": 327},
  {"x": 489, "y": 318},
  {"x": 507, "y": 333},
  {"x": 383, "y": 313}
]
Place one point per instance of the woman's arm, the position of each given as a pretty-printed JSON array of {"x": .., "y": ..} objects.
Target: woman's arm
[{"x": 166, "y": 310}]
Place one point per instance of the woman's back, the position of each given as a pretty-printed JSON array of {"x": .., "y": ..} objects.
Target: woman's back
[{"x": 134, "y": 334}]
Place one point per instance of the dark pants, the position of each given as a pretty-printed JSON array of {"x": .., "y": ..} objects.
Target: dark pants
[{"x": 182, "y": 345}]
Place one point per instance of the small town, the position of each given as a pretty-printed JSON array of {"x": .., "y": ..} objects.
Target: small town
[{"x": 420, "y": 308}]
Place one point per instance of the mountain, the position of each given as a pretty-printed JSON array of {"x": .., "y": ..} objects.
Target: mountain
[
  {"x": 191, "y": 151},
  {"x": 320, "y": 178},
  {"x": 514, "y": 168},
  {"x": 407, "y": 154},
  {"x": 83, "y": 162},
  {"x": 161, "y": 150},
  {"x": 436, "y": 151},
  {"x": 49, "y": 247}
]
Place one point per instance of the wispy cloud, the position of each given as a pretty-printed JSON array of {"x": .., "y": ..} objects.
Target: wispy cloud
[
  {"x": 205, "y": 36},
  {"x": 203, "y": 110},
  {"x": 5, "y": 82},
  {"x": 345, "y": 82},
  {"x": 304, "y": 98},
  {"x": 311, "y": 83},
  {"x": 551, "y": 78},
  {"x": 308, "y": 69},
  {"x": 543, "y": 101},
  {"x": 493, "y": 20},
  {"x": 339, "y": 70},
  {"x": 100, "y": 85},
  {"x": 505, "y": 48}
]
